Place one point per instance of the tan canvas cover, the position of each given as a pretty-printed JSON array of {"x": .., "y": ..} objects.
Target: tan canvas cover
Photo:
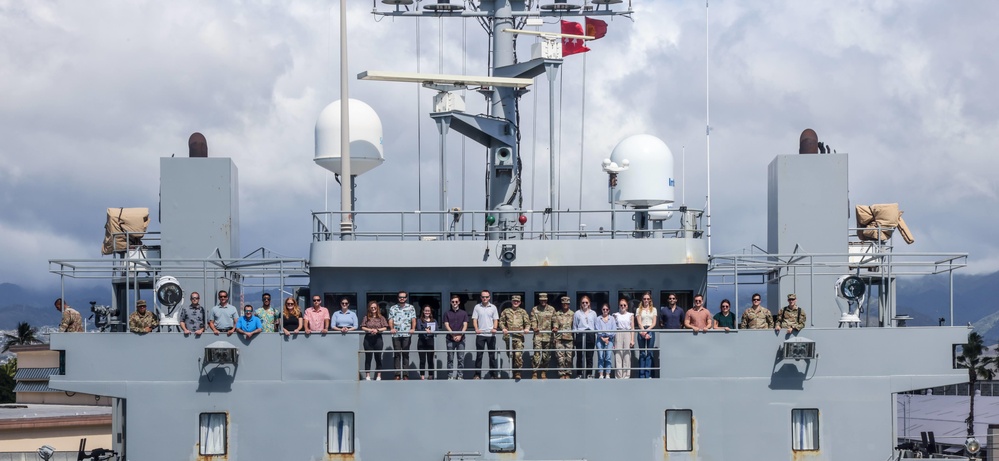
[
  {"x": 134, "y": 221},
  {"x": 904, "y": 231},
  {"x": 887, "y": 216}
]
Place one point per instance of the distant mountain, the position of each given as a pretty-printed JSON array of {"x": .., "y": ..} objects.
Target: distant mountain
[{"x": 35, "y": 306}]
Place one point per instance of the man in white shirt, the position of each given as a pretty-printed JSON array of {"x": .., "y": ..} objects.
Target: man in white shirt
[{"x": 485, "y": 320}]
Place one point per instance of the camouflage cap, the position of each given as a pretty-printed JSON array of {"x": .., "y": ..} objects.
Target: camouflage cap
[
  {"x": 791, "y": 296},
  {"x": 516, "y": 298},
  {"x": 566, "y": 299},
  {"x": 543, "y": 296},
  {"x": 141, "y": 303}
]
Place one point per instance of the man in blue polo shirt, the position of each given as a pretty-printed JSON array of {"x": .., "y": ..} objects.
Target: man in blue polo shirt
[{"x": 248, "y": 325}]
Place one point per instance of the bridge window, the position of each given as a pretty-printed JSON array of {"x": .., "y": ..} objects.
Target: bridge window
[
  {"x": 213, "y": 434},
  {"x": 332, "y": 301},
  {"x": 553, "y": 299},
  {"x": 805, "y": 429},
  {"x": 679, "y": 430},
  {"x": 634, "y": 298},
  {"x": 340, "y": 432},
  {"x": 502, "y": 431}
]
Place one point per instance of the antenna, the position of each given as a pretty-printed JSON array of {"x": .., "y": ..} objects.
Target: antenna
[{"x": 707, "y": 117}]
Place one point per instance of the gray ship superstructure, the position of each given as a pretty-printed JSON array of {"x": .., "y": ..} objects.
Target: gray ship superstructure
[{"x": 824, "y": 393}]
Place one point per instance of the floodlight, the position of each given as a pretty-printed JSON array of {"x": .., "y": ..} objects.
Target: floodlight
[
  {"x": 508, "y": 253},
  {"x": 972, "y": 446},
  {"x": 45, "y": 452},
  {"x": 799, "y": 348},
  {"x": 221, "y": 352}
]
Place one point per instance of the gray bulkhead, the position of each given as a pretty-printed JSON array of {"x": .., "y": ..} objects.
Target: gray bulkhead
[{"x": 739, "y": 391}]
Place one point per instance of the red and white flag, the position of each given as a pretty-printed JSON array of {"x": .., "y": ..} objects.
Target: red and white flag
[{"x": 572, "y": 45}]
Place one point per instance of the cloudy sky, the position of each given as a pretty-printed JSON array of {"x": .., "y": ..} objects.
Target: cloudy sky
[{"x": 93, "y": 93}]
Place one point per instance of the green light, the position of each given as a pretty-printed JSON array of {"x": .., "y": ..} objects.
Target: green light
[{"x": 490, "y": 219}]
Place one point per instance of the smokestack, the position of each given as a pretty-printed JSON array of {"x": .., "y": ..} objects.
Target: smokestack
[
  {"x": 197, "y": 145},
  {"x": 808, "y": 143}
]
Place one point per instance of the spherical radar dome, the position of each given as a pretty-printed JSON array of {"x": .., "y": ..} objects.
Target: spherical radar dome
[
  {"x": 366, "y": 150},
  {"x": 649, "y": 179}
]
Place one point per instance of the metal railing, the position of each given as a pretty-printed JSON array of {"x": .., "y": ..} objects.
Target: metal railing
[{"x": 476, "y": 225}]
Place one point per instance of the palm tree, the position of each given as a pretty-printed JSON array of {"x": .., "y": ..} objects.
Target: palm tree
[
  {"x": 26, "y": 334},
  {"x": 978, "y": 367}
]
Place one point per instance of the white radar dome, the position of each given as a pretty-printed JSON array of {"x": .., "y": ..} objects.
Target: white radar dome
[
  {"x": 366, "y": 150},
  {"x": 649, "y": 179}
]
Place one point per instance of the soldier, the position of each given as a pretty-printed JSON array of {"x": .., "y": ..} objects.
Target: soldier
[
  {"x": 71, "y": 320},
  {"x": 562, "y": 329},
  {"x": 756, "y": 317},
  {"x": 514, "y": 322},
  {"x": 541, "y": 324},
  {"x": 142, "y": 321},
  {"x": 791, "y": 316}
]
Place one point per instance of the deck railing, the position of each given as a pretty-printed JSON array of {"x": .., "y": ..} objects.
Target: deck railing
[{"x": 485, "y": 224}]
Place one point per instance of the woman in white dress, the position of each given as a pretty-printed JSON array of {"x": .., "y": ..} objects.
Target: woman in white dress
[{"x": 624, "y": 341}]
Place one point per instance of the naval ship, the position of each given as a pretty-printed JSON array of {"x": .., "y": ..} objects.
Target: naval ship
[{"x": 825, "y": 392}]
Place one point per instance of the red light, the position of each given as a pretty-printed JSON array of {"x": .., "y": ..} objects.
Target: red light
[{"x": 522, "y": 219}]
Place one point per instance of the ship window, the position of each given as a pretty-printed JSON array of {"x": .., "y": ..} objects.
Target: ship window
[
  {"x": 597, "y": 300},
  {"x": 503, "y": 300},
  {"x": 340, "y": 432},
  {"x": 333, "y": 301},
  {"x": 679, "y": 430},
  {"x": 684, "y": 299},
  {"x": 502, "y": 431},
  {"x": 468, "y": 301},
  {"x": 389, "y": 299},
  {"x": 634, "y": 298},
  {"x": 553, "y": 299},
  {"x": 213, "y": 434},
  {"x": 805, "y": 429}
]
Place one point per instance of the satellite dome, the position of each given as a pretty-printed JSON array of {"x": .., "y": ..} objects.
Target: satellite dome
[
  {"x": 649, "y": 179},
  {"x": 366, "y": 150}
]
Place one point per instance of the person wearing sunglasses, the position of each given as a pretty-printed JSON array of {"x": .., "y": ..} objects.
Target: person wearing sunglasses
[
  {"x": 402, "y": 324},
  {"x": 316, "y": 318},
  {"x": 344, "y": 320},
  {"x": 455, "y": 321},
  {"x": 485, "y": 320},
  {"x": 249, "y": 325},
  {"x": 223, "y": 317},
  {"x": 756, "y": 317},
  {"x": 192, "y": 316}
]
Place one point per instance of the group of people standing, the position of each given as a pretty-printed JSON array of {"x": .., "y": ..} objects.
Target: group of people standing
[{"x": 570, "y": 334}]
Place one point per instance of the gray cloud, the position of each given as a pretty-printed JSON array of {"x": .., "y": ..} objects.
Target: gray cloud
[{"x": 96, "y": 93}]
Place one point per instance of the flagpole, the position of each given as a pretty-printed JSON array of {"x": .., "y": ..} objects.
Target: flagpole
[{"x": 346, "y": 208}]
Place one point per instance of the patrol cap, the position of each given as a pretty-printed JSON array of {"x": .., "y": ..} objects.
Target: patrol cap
[
  {"x": 543, "y": 296},
  {"x": 566, "y": 299},
  {"x": 141, "y": 303},
  {"x": 791, "y": 296},
  {"x": 516, "y": 298}
]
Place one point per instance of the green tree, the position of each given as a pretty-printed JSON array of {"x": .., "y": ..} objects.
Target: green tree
[
  {"x": 978, "y": 366},
  {"x": 26, "y": 334},
  {"x": 7, "y": 382}
]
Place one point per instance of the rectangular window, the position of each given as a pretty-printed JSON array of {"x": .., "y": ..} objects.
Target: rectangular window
[
  {"x": 679, "y": 430},
  {"x": 502, "y": 431},
  {"x": 213, "y": 434},
  {"x": 340, "y": 432},
  {"x": 805, "y": 429}
]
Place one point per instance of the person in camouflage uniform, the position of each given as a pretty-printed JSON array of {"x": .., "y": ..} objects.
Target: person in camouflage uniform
[
  {"x": 71, "y": 320},
  {"x": 514, "y": 322},
  {"x": 541, "y": 324},
  {"x": 756, "y": 317},
  {"x": 562, "y": 329},
  {"x": 142, "y": 321},
  {"x": 791, "y": 316}
]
